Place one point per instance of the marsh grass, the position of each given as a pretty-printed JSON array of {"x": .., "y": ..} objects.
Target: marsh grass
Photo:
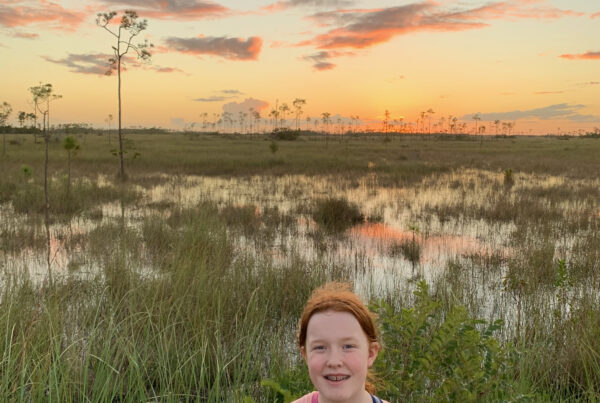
[
  {"x": 177, "y": 309},
  {"x": 410, "y": 249},
  {"x": 207, "y": 328}
]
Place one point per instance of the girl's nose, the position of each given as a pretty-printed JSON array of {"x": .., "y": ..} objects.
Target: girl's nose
[{"x": 334, "y": 359}]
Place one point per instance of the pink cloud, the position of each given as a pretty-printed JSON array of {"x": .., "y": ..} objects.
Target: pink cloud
[
  {"x": 582, "y": 56},
  {"x": 22, "y": 13},
  {"x": 174, "y": 9},
  {"x": 91, "y": 63},
  {"x": 286, "y": 4},
  {"x": 365, "y": 28},
  {"x": 228, "y": 48},
  {"x": 25, "y": 35},
  {"x": 168, "y": 70}
]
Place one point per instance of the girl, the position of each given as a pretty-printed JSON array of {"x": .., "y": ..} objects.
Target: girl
[{"x": 338, "y": 339}]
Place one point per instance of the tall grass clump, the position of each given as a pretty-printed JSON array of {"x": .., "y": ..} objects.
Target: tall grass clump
[
  {"x": 28, "y": 197},
  {"x": 336, "y": 214},
  {"x": 210, "y": 326}
]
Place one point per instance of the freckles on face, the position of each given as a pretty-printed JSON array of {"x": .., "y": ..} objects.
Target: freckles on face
[{"x": 338, "y": 355}]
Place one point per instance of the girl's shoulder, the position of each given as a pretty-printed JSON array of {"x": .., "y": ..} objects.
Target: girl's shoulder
[{"x": 311, "y": 397}]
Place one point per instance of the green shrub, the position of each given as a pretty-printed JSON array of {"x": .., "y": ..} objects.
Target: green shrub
[
  {"x": 336, "y": 214},
  {"x": 285, "y": 133},
  {"x": 435, "y": 356},
  {"x": 509, "y": 178}
]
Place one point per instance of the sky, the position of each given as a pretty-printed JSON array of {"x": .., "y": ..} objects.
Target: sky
[{"x": 534, "y": 63}]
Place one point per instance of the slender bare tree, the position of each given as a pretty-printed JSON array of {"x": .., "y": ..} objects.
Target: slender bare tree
[
  {"x": 5, "y": 111},
  {"x": 42, "y": 95},
  {"x": 325, "y": 118},
  {"x": 298, "y": 104},
  {"x": 476, "y": 118},
  {"x": 129, "y": 28},
  {"x": 284, "y": 108},
  {"x": 429, "y": 113}
]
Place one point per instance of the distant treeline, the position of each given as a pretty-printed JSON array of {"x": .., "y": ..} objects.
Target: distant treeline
[{"x": 278, "y": 134}]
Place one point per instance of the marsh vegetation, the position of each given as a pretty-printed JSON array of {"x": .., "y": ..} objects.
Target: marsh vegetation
[{"x": 185, "y": 282}]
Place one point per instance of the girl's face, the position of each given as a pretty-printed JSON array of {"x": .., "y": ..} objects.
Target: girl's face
[{"x": 338, "y": 355}]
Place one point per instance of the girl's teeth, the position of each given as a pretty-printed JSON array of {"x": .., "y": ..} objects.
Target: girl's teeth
[{"x": 337, "y": 378}]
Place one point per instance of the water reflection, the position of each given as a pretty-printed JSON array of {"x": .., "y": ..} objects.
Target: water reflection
[{"x": 445, "y": 215}]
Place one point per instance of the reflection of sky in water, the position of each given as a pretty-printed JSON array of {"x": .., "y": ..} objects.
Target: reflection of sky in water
[{"x": 365, "y": 248}]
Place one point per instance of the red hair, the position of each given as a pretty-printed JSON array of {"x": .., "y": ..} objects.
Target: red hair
[{"x": 339, "y": 297}]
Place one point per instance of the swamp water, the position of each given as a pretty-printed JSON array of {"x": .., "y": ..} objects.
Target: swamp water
[{"x": 469, "y": 234}]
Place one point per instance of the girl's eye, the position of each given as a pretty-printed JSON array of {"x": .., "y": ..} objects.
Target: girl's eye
[
  {"x": 318, "y": 348},
  {"x": 349, "y": 346}
]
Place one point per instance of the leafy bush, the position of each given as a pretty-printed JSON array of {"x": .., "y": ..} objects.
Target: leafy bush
[
  {"x": 432, "y": 356},
  {"x": 509, "y": 178},
  {"x": 336, "y": 214},
  {"x": 285, "y": 133}
]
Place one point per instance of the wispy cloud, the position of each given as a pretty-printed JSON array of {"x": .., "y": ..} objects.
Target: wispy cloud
[
  {"x": 559, "y": 111},
  {"x": 214, "y": 98},
  {"x": 547, "y": 92},
  {"x": 582, "y": 56},
  {"x": 91, "y": 63},
  {"x": 321, "y": 61},
  {"x": 173, "y": 9},
  {"x": 221, "y": 96},
  {"x": 365, "y": 28},
  {"x": 228, "y": 48},
  {"x": 20, "y": 13},
  {"x": 286, "y": 4},
  {"x": 159, "y": 69},
  {"x": 25, "y": 35}
]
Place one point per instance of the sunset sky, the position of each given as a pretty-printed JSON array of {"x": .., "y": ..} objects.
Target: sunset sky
[{"x": 533, "y": 62}]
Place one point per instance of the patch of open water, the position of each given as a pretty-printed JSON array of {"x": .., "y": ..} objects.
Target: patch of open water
[{"x": 396, "y": 216}]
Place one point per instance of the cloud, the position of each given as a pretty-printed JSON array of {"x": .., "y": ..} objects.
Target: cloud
[
  {"x": 167, "y": 69},
  {"x": 228, "y": 48},
  {"x": 547, "y": 92},
  {"x": 214, "y": 98},
  {"x": 221, "y": 96},
  {"x": 582, "y": 56},
  {"x": 92, "y": 63},
  {"x": 321, "y": 60},
  {"x": 236, "y": 107},
  {"x": 286, "y": 4},
  {"x": 595, "y": 15},
  {"x": 25, "y": 35},
  {"x": 558, "y": 111},
  {"x": 174, "y": 9},
  {"x": 364, "y": 28},
  {"x": 22, "y": 13},
  {"x": 232, "y": 92}
]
